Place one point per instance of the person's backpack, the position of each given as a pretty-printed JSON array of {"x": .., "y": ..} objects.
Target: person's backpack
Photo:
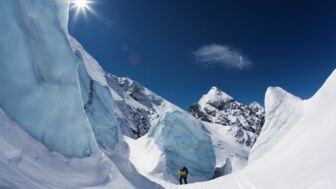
[
  {"x": 186, "y": 170},
  {"x": 183, "y": 173}
]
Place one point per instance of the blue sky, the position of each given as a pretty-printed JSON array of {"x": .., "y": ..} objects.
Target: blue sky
[{"x": 181, "y": 48}]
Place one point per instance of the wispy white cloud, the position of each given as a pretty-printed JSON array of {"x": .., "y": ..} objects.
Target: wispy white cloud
[{"x": 219, "y": 55}]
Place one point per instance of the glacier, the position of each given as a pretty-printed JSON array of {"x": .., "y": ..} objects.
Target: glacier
[
  {"x": 58, "y": 94},
  {"x": 184, "y": 143},
  {"x": 97, "y": 98},
  {"x": 176, "y": 140},
  {"x": 63, "y": 124},
  {"x": 40, "y": 87},
  {"x": 102, "y": 113}
]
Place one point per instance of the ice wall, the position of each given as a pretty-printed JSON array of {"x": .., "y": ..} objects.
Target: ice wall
[
  {"x": 183, "y": 142},
  {"x": 39, "y": 80},
  {"x": 97, "y": 98}
]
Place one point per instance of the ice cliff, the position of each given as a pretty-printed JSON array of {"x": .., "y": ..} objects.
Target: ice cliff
[
  {"x": 183, "y": 142},
  {"x": 40, "y": 87}
]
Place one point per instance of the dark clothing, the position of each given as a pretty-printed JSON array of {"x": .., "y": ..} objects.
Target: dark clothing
[
  {"x": 183, "y": 179},
  {"x": 183, "y": 175}
]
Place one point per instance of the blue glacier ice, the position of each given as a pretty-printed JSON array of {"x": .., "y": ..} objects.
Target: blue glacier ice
[
  {"x": 184, "y": 142},
  {"x": 54, "y": 90},
  {"x": 40, "y": 87},
  {"x": 97, "y": 98},
  {"x": 100, "y": 109}
]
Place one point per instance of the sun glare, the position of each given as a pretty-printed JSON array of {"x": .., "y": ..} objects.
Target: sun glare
[
  {"x": 81, "y": 5},
  {"x": 82, "y": 8}
]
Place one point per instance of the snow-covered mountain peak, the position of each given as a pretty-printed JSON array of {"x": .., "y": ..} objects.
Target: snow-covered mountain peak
[
  {"x": 255, "y": 104},
  {"x": 215, "y": 97},
  {"x": 137, "y": 107},
  {"x": 215, "y": 91},
  {"x": 218, "y": 107},
  {"x": 135, "y": 90},
  {"x": 257, "y": 108}
]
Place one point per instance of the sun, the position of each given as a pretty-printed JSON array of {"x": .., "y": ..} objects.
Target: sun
[{"x": 81, "y": 5}]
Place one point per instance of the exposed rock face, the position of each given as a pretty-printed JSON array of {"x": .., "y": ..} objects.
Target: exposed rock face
[
  {"x": 218, "y": 107},
  {"x": 137, "y": 107}
]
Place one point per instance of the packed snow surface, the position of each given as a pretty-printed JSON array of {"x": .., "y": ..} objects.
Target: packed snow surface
[{"x": 226, "y": 147}]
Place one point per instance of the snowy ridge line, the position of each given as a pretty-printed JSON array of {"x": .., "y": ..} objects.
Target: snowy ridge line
[
  {"x": 300, "y": 156},
  {"x": 282, "y": 111}
]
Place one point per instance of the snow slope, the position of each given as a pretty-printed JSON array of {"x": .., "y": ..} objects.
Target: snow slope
[
  {"x": 228, "y": 151},
  {"x": 303, "y": 153},
  {"x": 283, "y": 111},
  {"x": 177, "y": 140},
  {"x": 26, "y": 163}
]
